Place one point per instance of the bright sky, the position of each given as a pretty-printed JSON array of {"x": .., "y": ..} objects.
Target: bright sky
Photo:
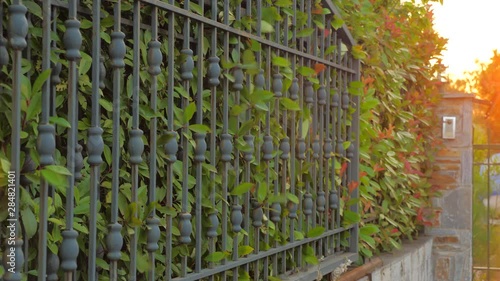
[{"x": 472, "y": 31}]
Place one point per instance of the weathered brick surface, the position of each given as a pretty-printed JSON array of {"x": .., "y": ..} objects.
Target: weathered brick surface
[
  {"x": 442, "y": 270},
  {"x": 452, "y": 224},
  {"x": 411, "y": 263}
]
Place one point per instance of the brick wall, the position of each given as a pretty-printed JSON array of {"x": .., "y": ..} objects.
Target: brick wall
[{"x": 452, "y": 220}]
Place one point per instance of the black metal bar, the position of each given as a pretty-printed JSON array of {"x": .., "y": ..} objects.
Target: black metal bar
[
  {"x": 262, "y": 255},
  {"x": 226, "y": 28}
]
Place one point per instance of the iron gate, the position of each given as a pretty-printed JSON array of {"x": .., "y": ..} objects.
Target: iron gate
[
  {"x": 486, "y": 206},
  {"x": 177, "y": 140}
]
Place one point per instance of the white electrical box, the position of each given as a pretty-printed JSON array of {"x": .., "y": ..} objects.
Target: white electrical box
[{"x": 449, "y": 127}]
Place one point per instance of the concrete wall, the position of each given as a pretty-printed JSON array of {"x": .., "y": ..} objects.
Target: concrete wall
[
  {"x": 452, "y": 223},
  {"x": 413, "y": 262}
]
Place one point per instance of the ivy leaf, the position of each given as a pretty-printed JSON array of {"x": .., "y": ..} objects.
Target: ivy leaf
[
  {"x": 283, "y": 3},
  {"x": 337, "y": 23},
  {"x": 199, "y": 128},
  {"x": 306, "y": 71},
  {"x": 189, "y": 112},
  {"x": 369, "y": 229},
  {"x": 242, "y": 188},
  {"x": 262, "y": 192},
  {"x": 289, "y": 104},
  {"x": 29, "y": 222},
  {"x": 244, "y": 250},
  {"x": 281, "y": 61},
  {"x": 266, "y": 27},
  {"x": 40, "y": 80},
  {"x": 293, "y": 198},
  {"x": 351, "y": 217},
  {"x": 315, "y": 232},
  {"x": 60, "y": 121},
  {"x": 311, "y": 260},
  {"x": 215, "y": 257},
  {"x": 305, "y": 32},
  {"x": 298, "y": 235}
]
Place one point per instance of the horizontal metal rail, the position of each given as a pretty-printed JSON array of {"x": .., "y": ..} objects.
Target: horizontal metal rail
[{"x": 238, "y": 32}]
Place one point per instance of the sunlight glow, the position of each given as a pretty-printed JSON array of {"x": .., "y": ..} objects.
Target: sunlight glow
[{"x": 471, "y": 27}]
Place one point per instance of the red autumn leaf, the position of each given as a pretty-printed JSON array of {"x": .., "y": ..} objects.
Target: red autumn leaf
[
  {"x": 343, "y": 168},
  {"x": 318, "y": 67},
  {"x": 352, "y": 186},
  {"x": 327, "y": 32},
  {"x": 394, "y": 230},
  {"x": 377, "y": 168},
  {"x": 317, "y": 11},
  {"x": 367, "y": 206},
  {"x": 363, "y": 174}
]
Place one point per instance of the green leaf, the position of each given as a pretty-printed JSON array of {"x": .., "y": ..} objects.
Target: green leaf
[
  {"x": 369, "y": 229},
  {"x": 283, "y": 3},
  {"x": 311, "y": 260},
  {"x": 215, "y": 257},
  {"x": 289, "y": 104},
  {"x": 242, "y": 188},
  {"x": 368, "y": 240},
  {"x": 106, "y": 105},
  {"x": 293, "y": 198},
  {"x": 305, "y": 32},
  {"x": 40, "y": 80},
  {"x": 280, "y": 61},
  {"x": 281, "y": 198},
  {"x": 29, "y": 222},
  {"x": 58, "y": 169},
  {"x": 306, "y": 71},
  {"x": 244, "y": 250},
  {"x": 262, "y": 192},
  {"x": 261, "y": 96},
  {"x": 266, "y": 27},
  {"x": 298, "y": 235},
  {"x": 315, "y": 232},
  {"x": 248, "y": 57},
  {"x": 351, "y": 217},
  {"x": 83, "y": 206},
  {"x": 54, "y": 178},
  {"x": 189, "y": 112},
  {"x": 337, "y": 23},
  {"x": 199, "y": 128},
  {"x": 60, "y": 121}
]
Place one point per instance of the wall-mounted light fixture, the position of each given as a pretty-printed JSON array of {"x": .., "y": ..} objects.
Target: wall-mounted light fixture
[{"x": 449, "y": 127}]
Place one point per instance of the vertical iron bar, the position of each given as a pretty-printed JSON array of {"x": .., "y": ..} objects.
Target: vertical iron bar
[
  {"x": 72, "y": 41},
  {"x": 186, "y": 75},
  {"x": 201, "y": 145},
  {"x": 327, "y": 146},
  {"x": 154, "y": 61},
  {"x": 213, "y": 74},
  {"x": 95, "y": 141},
  {"x": 18, "y": 29},
  {"x": 117, "y": 49},
  {"x": 46, "y": 139},
  {"x": 339, "y": 141},
  {"x": 171, "y": 146},
  {"x": 284, "y": 143},
  {"x": 488, "y": 229},
  {"x": 300, "y": 148},
  {"x": 52, "y": 261},
  {"x": 136, "y": 144},
  {"x": 226, "y": 150},
  {"x": 321, "y": 101},
  {"x": 294, "y": 89}
]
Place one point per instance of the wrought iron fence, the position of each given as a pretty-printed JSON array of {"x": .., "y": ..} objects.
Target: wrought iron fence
[{"x": 177, "y": 140}]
